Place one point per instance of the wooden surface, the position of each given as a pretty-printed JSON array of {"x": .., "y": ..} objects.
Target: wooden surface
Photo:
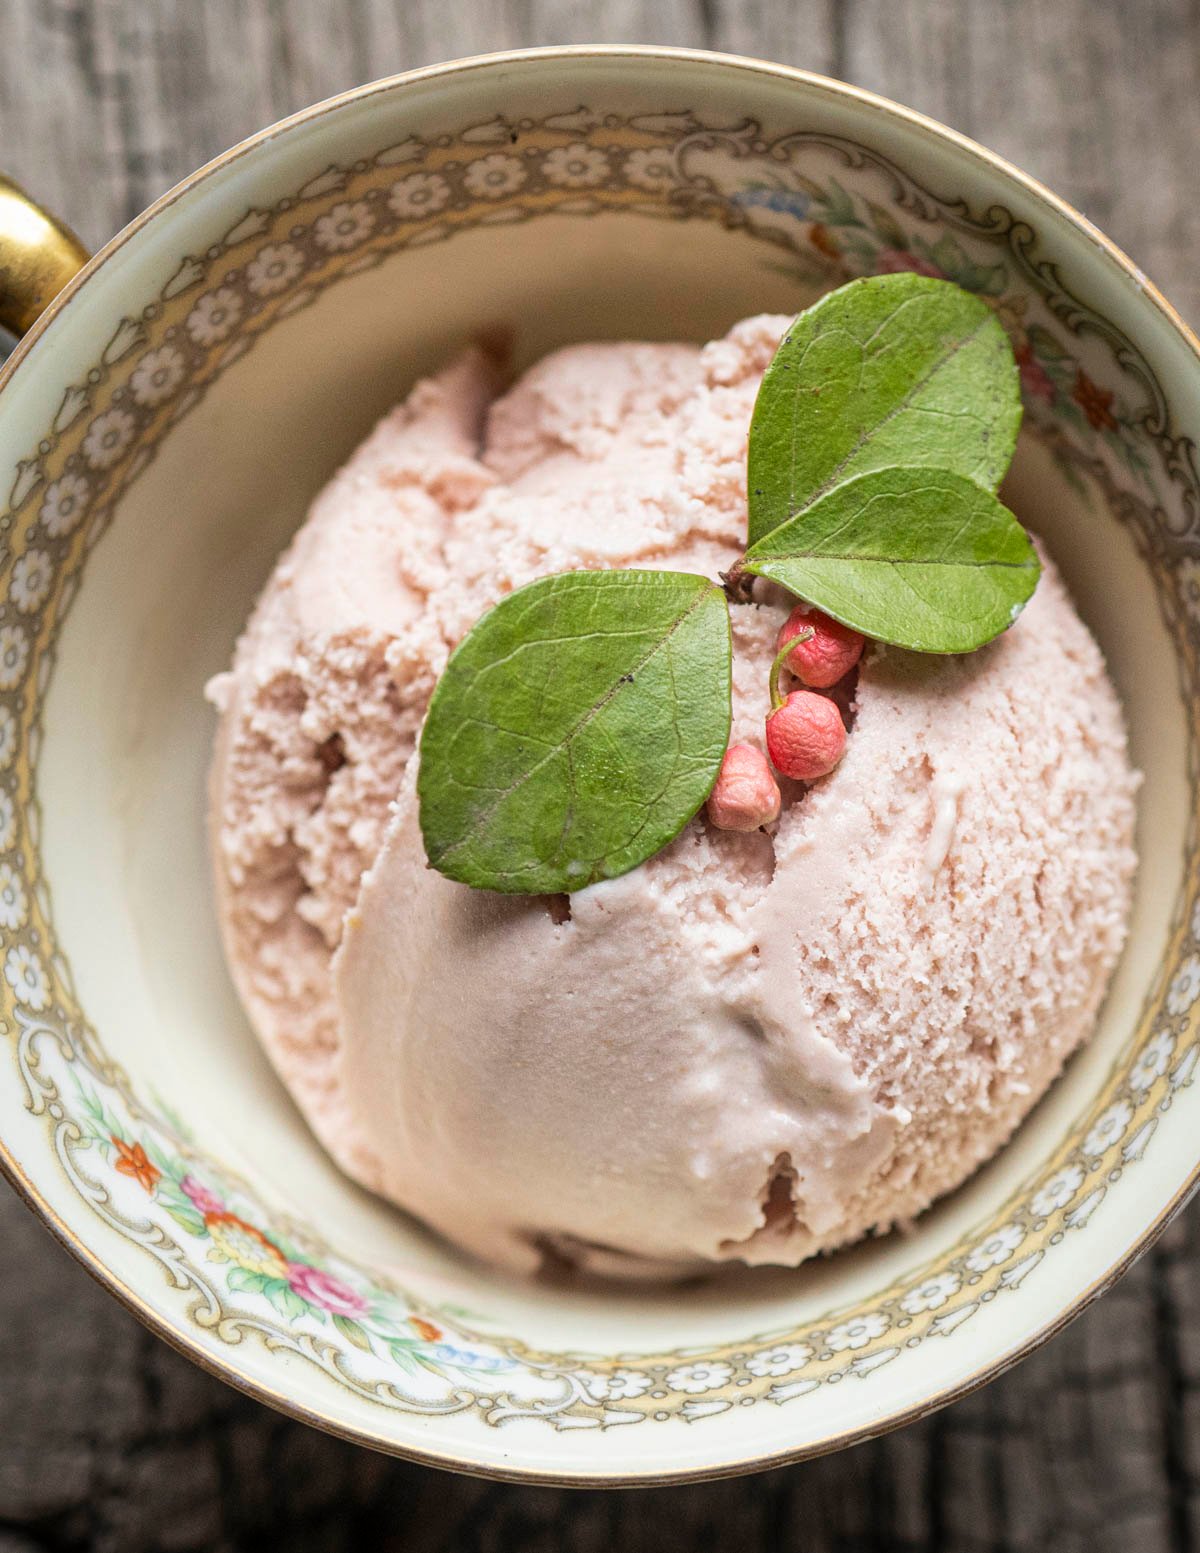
[{"x": 111, "y": 1442}]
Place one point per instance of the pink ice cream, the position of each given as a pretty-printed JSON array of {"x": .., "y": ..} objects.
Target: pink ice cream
[{"x": 753, "y": 1046}]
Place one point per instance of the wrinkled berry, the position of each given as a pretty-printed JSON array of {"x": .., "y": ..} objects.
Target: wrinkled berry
[
  {"x": 805, "y": 736},
  {"x": 830, "y": 652},
  {"x": 746, "y": 794}
]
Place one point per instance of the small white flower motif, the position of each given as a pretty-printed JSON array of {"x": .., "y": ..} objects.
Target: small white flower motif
[
  {"x": 997, "y": 1248},
  {"x": 650, "y": 169},
  {"x": 784, "y": 1360},
  {"x": 8, "y": 820},
  {"x": 1152, "y": 1061},
  {"x": 24, "y": 974},
  {"x": 30, "y": 582},
  {"x": 215, "y": 316},
  {"x": 8, "y": 736},
  {"x": 14, "y": 655},
  {"x": 63, "y": 504},
  {"x": 343, "y": 227},
  {"x": 107, "y": 438},
  {"x": 932, "y": 1294},
  {"x": 274, "y": 268},
  {"x": 1110, "y": 1125},
  {"x": 576, "y": 167},
  {"x": 1185, "y": 989},
  {"x": 858, "y": 1332},
  {"x": 620, "y": 1386},
  {"x": 157, "y": 375},
  {"x": 420, "y": 194},
  {"x": 1057, "y": 1190},
  {"x": 704, "y": 1376},
  {"x": 14, "y": 906},
  {"x": 1189, "y": 585},
  {"x": 492, "y": 177}
]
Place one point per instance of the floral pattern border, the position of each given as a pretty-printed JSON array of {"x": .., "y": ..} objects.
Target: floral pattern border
[{"x": 239, "y": 1269}]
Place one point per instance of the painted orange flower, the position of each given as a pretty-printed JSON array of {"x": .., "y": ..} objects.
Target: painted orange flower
[
  {"x": 425, "y": 1329},
  {"x": 132, "y": 1161},
  {"x": 245, "y": 1245},
  {"x": 1095, "y": 402},
  {"x": 822, "y": 240}
]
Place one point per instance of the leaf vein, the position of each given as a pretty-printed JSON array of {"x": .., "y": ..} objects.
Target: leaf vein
[
  {"x": 482, "y": 818},
  {"x": 868, "y": 432}
]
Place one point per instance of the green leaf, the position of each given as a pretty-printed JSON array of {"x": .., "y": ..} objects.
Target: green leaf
[
  {"x": 1045, "y": 346},
  {"x": 576, "y": 730},
  {"x": 836, "y": 206},
  {"x": 1067, "y": 468},
  {"x": 353, "y": 1332},
  {"x": 863, "y": 248},
  {"x": 242, "y": 1281},
  {"x": 287, "y": 1248},
  {"x": 285, "y": 1299},
  {"x": 923, "y": 558},
  {"x": 91, "y": 1103},
  {"x": 955, "y": 265},
  {"x": 807, "y": 185},
  {"x": 187, "y": 1218},
  {"x": 1067, "y": 410},
  {"x": 894, "y": 369},
  {"x": 157, "y": 1156},
  {"x": 403, "y": 1357},
  {"x": 886, "y": 225},
  {"x": 171, "y": 1193}
]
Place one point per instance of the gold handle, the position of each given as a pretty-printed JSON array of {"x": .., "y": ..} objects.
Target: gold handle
[{"x": 38, "y": 256}]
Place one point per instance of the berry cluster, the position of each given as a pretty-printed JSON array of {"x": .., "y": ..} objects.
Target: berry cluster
[{"x": 805, "y": 734}]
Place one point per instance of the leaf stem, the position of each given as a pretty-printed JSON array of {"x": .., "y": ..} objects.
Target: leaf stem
[
  {"x": 781, "y": 657},
  {"x": 737, "y": 583}
]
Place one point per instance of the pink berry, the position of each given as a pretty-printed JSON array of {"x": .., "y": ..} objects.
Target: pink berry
[
  {"x": 805, "y": 736},
  {"x": 830, "y": 652},
  {"x": 746, "y": 794}
]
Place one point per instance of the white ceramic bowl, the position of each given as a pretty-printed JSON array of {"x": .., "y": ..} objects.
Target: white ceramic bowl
[{"x": 161, "y": 432}]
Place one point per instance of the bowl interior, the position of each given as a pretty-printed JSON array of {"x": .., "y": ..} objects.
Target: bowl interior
[
  {"x": 140, "y": 923},
  {"x": 230, "y": 455}
]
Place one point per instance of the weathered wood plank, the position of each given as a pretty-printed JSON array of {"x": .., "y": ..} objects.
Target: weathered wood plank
[
  {"x": 1095, "y": 97},
  {"x": 108, "y": 1440}
]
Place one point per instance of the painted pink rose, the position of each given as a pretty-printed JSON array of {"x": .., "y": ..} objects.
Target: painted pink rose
[
  {"x": 323, "y": 1289},
  {"x": 1035, "y": 380},
  {"x": 891, "y": 261},
  {"x": 205, "y": 1201}
]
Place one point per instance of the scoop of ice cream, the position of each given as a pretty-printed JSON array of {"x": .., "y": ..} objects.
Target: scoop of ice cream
[{"x": 754, "y": 1046}]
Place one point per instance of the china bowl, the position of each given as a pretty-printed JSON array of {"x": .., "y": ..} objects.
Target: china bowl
[{"x": 162, "y": 429}]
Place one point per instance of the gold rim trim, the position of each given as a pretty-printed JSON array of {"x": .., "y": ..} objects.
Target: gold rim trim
[{"x": 153, "y": 1319}]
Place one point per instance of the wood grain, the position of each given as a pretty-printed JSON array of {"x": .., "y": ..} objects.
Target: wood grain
[{"x": 111, "y": 1443}]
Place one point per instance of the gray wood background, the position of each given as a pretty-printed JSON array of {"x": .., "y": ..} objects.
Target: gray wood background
[{"x": 108, "y": 1440}]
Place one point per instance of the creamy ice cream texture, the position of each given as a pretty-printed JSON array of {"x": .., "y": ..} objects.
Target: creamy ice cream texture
[{"x": 754, "y": 1046}]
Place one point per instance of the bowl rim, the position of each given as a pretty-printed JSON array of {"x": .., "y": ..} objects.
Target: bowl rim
[{"x": 226, "y": 1369}]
